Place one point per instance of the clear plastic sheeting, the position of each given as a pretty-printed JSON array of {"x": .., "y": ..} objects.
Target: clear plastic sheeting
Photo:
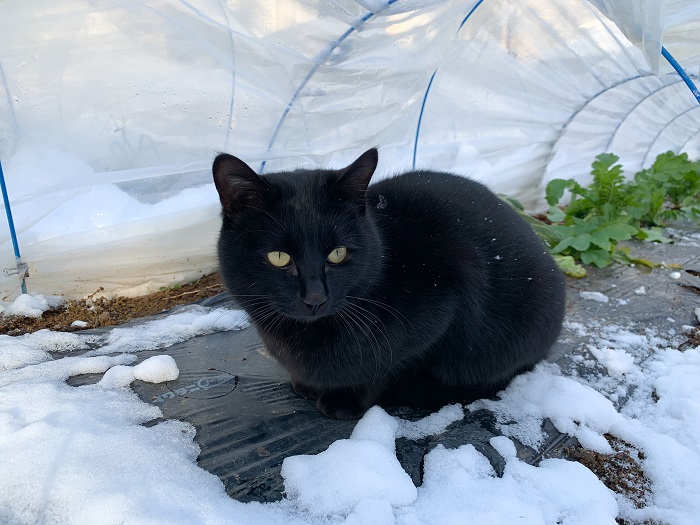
[
  {"x": 111, "y": 112},
  {"x": 642, "y": 21},
  {"x": 637, "y": 119},
  {"x": 682, "y": 32},
  {"x": 649, "y": 24}
]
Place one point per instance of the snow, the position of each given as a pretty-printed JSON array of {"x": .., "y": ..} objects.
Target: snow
[
  {"x": 31, "y": 305},
  {"x": 574, "y": 408},
  {"x": 156, "y": 369},
  {"x": 616, "y": 360},
  {"x": 460, "y": 487},
  {"x": 595, "y": 296},
  {"x": 430, "y": 425},
  {"x": 82, "y": 454},
  {"x": 181, "y": 326},
  {"x": 351, "y": 471}
]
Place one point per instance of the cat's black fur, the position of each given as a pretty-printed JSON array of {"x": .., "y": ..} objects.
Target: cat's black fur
[{"x": 445, "y": 294}]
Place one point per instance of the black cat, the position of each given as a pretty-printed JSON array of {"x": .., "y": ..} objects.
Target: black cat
[{"x": 422, "y": 289}]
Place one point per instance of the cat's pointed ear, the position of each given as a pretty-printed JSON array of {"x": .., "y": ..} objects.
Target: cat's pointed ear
[
  {"x": 238, "y": 185},
  {"x": 354, "y": 179}
]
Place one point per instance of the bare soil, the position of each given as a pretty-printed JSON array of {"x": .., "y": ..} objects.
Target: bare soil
[
  {"x": 620, "y": 471},
  {"x": 103, "y": 312},
  {"x": 693, "y": 339}
]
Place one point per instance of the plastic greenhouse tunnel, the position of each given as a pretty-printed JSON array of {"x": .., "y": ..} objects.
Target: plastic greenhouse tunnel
[{"x": 111, "y": 114}]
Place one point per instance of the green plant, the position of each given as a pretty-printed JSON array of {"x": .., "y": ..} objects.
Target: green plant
[
  {"x": 668, "y": 190},
  {"x": 612, "y": 209}
]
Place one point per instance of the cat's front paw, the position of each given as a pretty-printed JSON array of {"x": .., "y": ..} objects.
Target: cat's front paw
[{"x": 340, "y": 405}]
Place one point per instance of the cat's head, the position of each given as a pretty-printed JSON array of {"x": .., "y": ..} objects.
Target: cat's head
[{"x": 296, "y": 243}]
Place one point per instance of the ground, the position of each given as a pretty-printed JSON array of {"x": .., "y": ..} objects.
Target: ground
[
  {"x": 102, "y": 312},
  {"x": 621, "y": 471}
]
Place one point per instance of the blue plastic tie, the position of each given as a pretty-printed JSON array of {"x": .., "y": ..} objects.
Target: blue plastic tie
[
  {"x": 681, "y": 72},
  {"x": 11, "y": 224}
]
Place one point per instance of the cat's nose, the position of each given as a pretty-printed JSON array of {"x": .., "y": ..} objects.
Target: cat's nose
[
  {"x": 315, "y": 296},
  {"x": 315, "y": 301}
]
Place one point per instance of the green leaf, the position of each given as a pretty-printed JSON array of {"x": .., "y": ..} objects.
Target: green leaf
[
  {"x": 655, "y": 235},
  {"x": 563, "y": 245},
  {"x": 618, "y": 231},
  {"x": 671, "y": 164},
  {"x": 512, "y": 201},
  {"x": 546, "y": 232},
  {"x": 600, "y": 258},
  {"x": 601, "y": 240},
  {"x": 582, "y": 242},
  {"x": 581, "y": 226},
  {"x": 563, "y": 229},
  {"x": 569, "y": 266},
  {"x": 605, "y": 161},
  {"x": 623, "y": 256},
  {"x": 555, "y": 190},
  {"x": 612, "y": 209},
  {"x": 555, "y": 214}
]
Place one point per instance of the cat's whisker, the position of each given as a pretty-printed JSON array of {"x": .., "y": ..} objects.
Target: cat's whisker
[
  {"x": 366, "y": 321},
  {"x": 383, "y": 330},
  {"x": 253, "y": 304},
  {"x": 374, "y": 345},
  {"x": 359, "y": 331},
  {"x": 390, "y": 309},
  {"x": 348, "y": 322},
  {"x": 271, "y": 326}
]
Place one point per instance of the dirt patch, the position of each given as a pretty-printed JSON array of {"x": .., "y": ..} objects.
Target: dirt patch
[
  {"x": 693, "y": 339},
  {"x": 620, "y": 471},
  {"x": 109, "y": 312}
]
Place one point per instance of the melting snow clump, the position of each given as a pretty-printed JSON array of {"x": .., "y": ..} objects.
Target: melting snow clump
[
  {"x": 31, "y": 305},
  {"x": 595, "y": 296}
]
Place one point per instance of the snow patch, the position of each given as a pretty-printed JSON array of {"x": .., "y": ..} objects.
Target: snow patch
[
  {"x": 351, "y": 471},
  {"x": 32, "y": 305},
  {"x": 460, "y": 486},
  {"x": 573, "y": 408},
  {"x": 431, "y": 425},
  {"x": 595, "y": 296},
  {"x": 177, "y": 327},
  {"x": 156, "y": 369},
  {"x": 616, "y": 360}
]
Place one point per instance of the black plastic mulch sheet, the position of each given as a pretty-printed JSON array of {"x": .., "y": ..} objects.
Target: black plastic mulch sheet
[{"x": 248, "y": 419}]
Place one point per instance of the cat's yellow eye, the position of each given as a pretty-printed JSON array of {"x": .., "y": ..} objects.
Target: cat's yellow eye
[
  {"x": 279, "y": 259},
  {"x": 338, "y": 255}
]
